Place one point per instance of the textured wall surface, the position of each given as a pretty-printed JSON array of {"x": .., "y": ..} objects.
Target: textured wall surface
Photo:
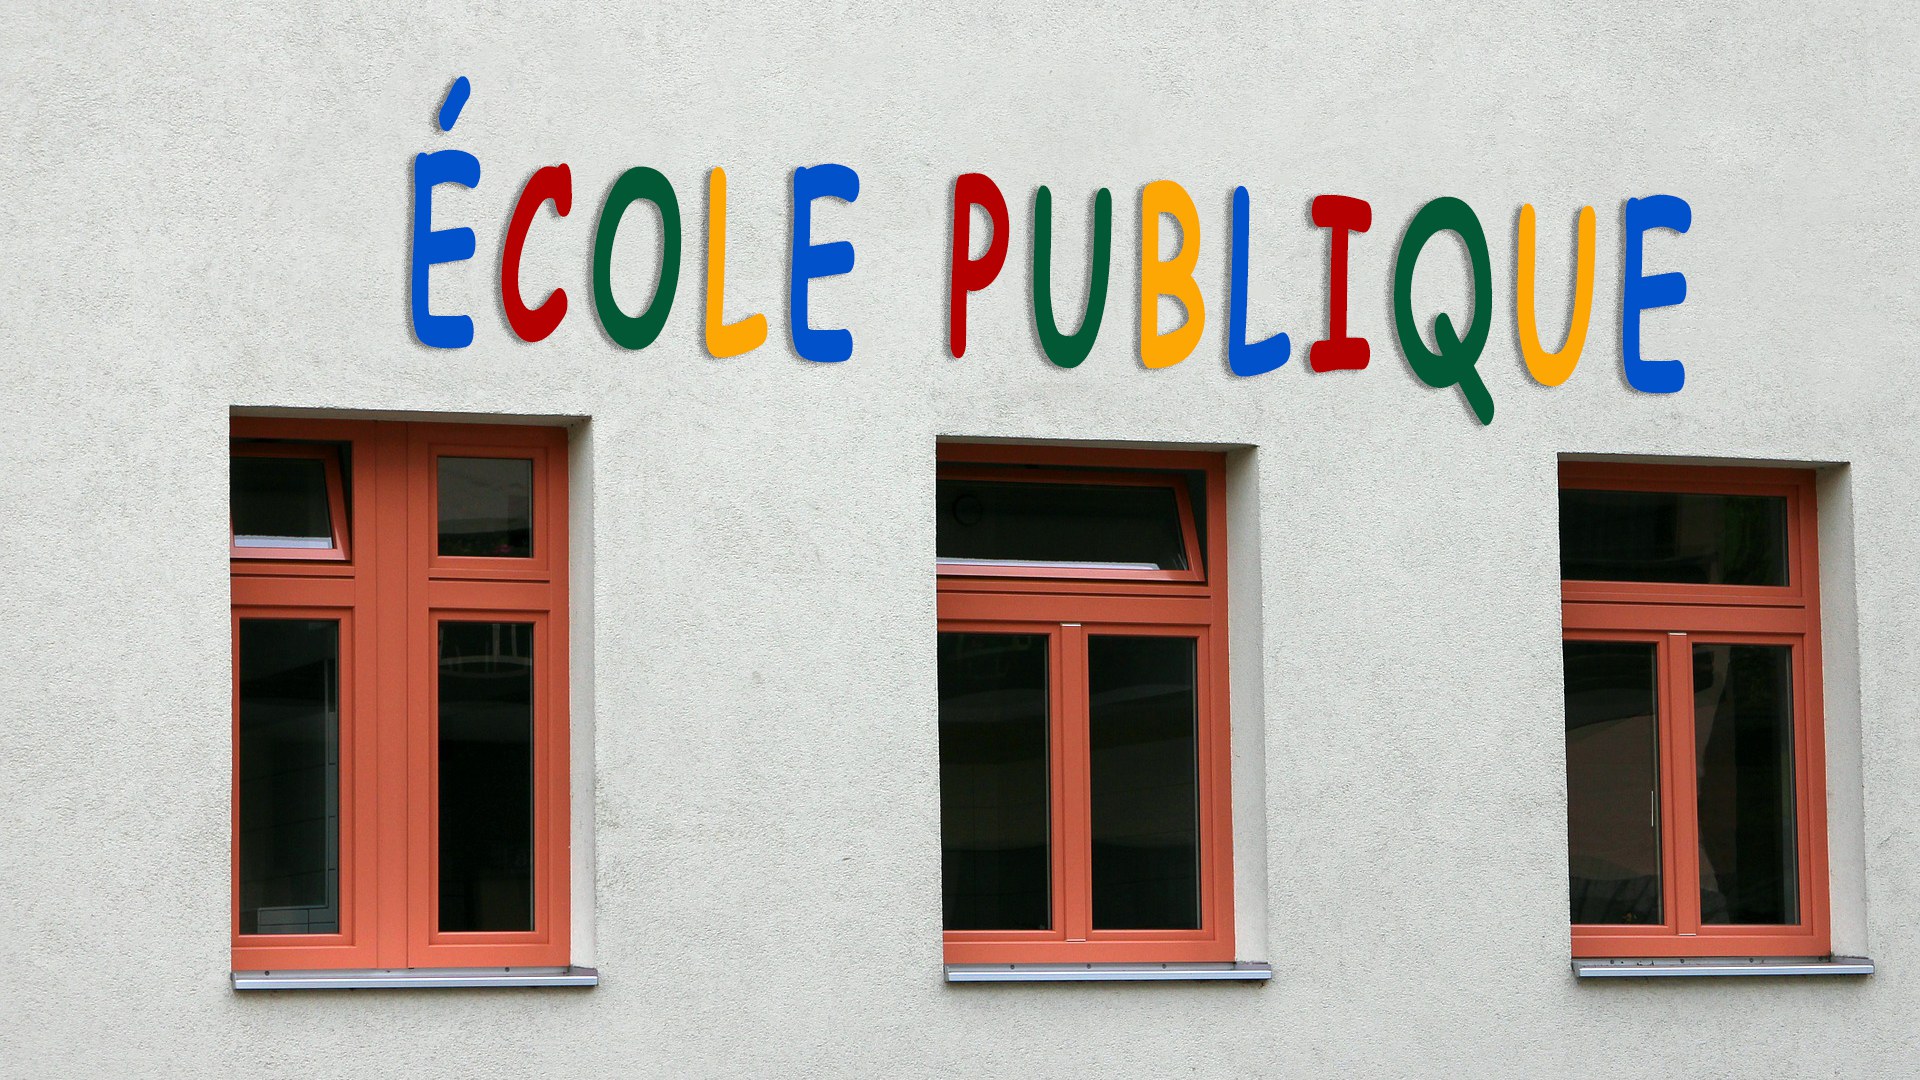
[{"x": 204, "y": 209}]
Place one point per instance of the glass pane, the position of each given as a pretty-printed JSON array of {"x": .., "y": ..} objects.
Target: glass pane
[
  {"x": 994, "y": 842},
  {"x": 1085, "y": 526},
  {"x": 279, "y": 502},
  {"x": 1743, "y": 734},
  {"x": 1613, "y": 781},
  {"x": 1144, "y": 770},
  {"x": 486, "y": 776},
  {"x": 289, "y": 776},
  {"x": 1673, "y": 537},
  {"x": 486, "y": 507}
]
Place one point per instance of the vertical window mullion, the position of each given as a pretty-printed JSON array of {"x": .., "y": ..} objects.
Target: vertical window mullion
[
  {"x": 374, "y": 867},
  {"x": 1809, "y": 784},
  {"x": 1074, "y": 905},
  {"x": 417, "y": 718},
  {"x": 1680, "y": 817},
  {"x": 1212, "y": 796},
  {"x": 386, "y": 549}
]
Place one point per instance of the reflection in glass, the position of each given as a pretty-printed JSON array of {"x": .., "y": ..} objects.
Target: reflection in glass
[
  {"x": 1743, "y": 734},
  {"x": 1108, "y": 526},
  {"x": 279, "y": 502},
  {"x": 289, "y": 776},
  {"x": 486, "y": 507},
  {"x": 993, "y": 782},
  {"x": 486, "y": 776},
  {"x": 1667, "y": 536},
  {"x": 1613, "y": 781},
  {"x": 1144, "y": 772}
]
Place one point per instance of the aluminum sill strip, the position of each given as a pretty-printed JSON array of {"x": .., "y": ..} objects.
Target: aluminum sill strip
[
  {"x": 1653, "y": 969},
  {"x": 1242, "y": 971},
  {"x": 415, "y": 978}
]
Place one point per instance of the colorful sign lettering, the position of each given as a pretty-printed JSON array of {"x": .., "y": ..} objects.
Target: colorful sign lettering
[{"x": 1452, "y": 362}]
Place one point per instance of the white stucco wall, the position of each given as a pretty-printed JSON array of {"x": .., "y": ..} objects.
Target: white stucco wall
[{"x": 203, "y": 210}]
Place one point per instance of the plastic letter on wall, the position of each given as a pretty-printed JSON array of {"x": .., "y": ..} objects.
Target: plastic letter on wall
[
  {"x": 1553, "y": 368},
  {"x": 1454, "y": 363},
  {"x": 749, "y": 333},
  {"x": 1068, "y": 350},
  {"x": 1341, "y": 215},
  {"x": 965, "y": 275},
  {"x": 555, "y": 183},
  {"x": 811, "y": 260},
  {"x": 1638, "y": 293},
  {"x": 1173, "y": 277},
  {"x": 431, "y": 245},
  {"x": 635, "y": 185},
  {"x": 1243, "y": 357}
]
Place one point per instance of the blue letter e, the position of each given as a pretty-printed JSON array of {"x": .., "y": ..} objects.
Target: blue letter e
[
  {"x": 811, "y": 260},
  {"x": 1638, "y": 293},
  {"x": 432, "y": 245}
]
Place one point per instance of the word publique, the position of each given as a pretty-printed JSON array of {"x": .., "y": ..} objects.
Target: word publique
[{"x": 1452, "y": 365}]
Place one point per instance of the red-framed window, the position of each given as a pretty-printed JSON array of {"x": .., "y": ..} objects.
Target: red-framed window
[
  {"x": 1084, "y": 739},
  {"x": 1695, "y": 761},
  {"x": 400, "y": 700}
]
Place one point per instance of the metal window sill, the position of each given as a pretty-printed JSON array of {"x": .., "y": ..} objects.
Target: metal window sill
[
  {"x": 415, "y": 978},
  {"x": 1243, "y": 971},
  {"x": 1721, "y": 966}
]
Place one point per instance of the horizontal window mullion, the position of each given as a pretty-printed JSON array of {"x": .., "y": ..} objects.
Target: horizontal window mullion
[
  {"x": 502, "y": 596},
  {"x": 1047, "y": 607},
  {"x": 1574, "y": 591},
  {"x": 1683, "y": 618},
  {"x": 321, "y": 592}
]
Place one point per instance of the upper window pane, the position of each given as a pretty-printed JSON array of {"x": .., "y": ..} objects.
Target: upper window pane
[
  {"x": 1082, "y": 526},
  {"x": 486, "y": 507},
  {"x": 1677, "y": 537},
  {"x": 280, "y": 502}
]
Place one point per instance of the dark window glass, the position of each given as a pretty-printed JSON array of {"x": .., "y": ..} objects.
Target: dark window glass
[
  {"x": 486, "y": 507},
  {"x": 1677, "y": 537},
  {"x": 993, "y": 782},
  {"x": 289, "y": 776},
  {"x": 1743, "y": 731},
  {"x": 486, "y": 776},
  {"x": 1087, "y": 526},
  {"x": 1144, "y": 772},
  {"x": 1613, "y": 781},
  {"x": 279, "y": 502}
]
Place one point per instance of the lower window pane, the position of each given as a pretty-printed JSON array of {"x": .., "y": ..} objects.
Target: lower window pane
[
  {"x": 1743, "y": 729},
  {"x": 993, "y": 782},
  {"x": 486, "y": 776},
  {"x": 1144, "y": 761},
  {"x": 289, "y": 762},
  {"x": 1613, "y": 782}
]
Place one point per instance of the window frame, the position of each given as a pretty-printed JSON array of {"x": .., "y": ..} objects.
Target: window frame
[
  {"x": 390, "y": 596},
  {"x": 337, "y": 520},
  {"x": 1070, "y": 605},
  {"x": 1675, "y": 618}
]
